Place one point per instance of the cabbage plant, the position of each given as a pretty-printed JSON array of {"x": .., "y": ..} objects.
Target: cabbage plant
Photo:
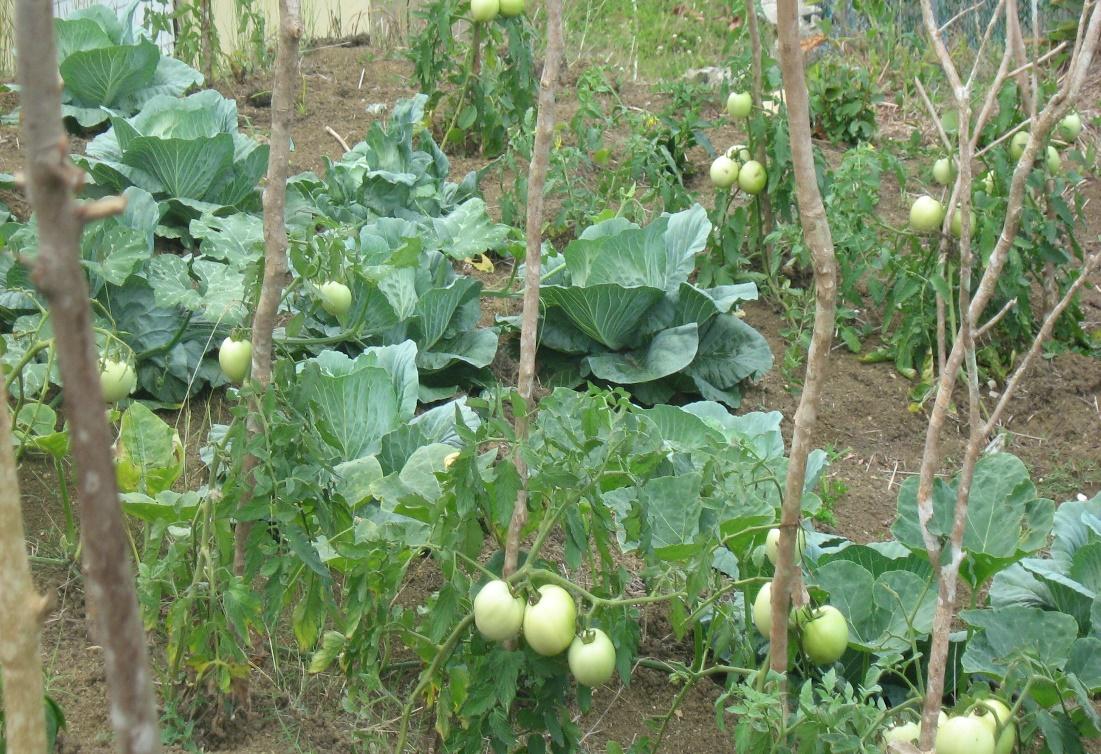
[
  {"x": 399, "y": 171},
  {"x": 618, "y": 307},
  {"x": 109, "y": 70},
  {"x": 187, "y": 153}
]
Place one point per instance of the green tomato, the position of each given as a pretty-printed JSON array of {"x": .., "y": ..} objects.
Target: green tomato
[
  {"x": 510, "y": 8},
  {"x": 926, "y": 214},
  {"x": 903, "y": 733},
  {"x": 117, "y": 380},
  {"x": 1053, "y": 162},
  {"x": 483, "y": 11},
  {"x": 944, "y": 170},
  {"x": 1070, "y": 126},
  {"x": 550, "y": 624},
  {"x": 957, "y": 223},
  {"x": 752, "y": 178},
  {"x": 964, "y": 735},
  {"x": 825, "y": 635},
  {"x": 724, "y": 172},
  {"x": 762, "y": 610},
  {"x": 988, "y": 183},
  {"x": 993, "y": 713},
  {"x": 592, "y": 658},
  {"x": 497, "y": 614},
  {"x": 772, "y": 545},
  {"x": 235, "y": 358},
  {"x": 1017, "y": 146},
  {"x": 739, "y": 104},
  {"x": 336, "y": 298}
]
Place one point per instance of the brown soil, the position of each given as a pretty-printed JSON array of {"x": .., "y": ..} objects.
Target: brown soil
[{"x": 1053, "y": 424}]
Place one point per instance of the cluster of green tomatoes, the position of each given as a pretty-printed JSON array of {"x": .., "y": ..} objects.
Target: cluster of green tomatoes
[
  {"x": 484, "y": 11},
  {"x": 824, "y": 632},
  {"x": 736, "y": 165},
  {"x": 988, "y": 728},
  {"x": 927, "y": 213},
  {"x": 549, "y": 627}
]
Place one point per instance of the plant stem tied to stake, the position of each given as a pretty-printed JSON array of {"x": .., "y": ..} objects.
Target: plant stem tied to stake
[
  {"x": 275, "y": 234},
  {"x": 58, "y": 274},
  {"x": 529, "y": 322},
  {"x": 787, "y": 583}
]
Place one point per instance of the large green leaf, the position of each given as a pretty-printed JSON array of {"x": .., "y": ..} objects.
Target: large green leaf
[
  {"x": 1075, "y": 524},
  {"x": 239, "y": 179},
  {"x": 607, "y": 313},
  {"x": 1005, "y": 518},
  {"x": 883, "y": 611},
  {"x": 223, "y": 292},
  {"x": 1062, "y": 592},
  {"x": 672, "y": 506},
  {"x": 476, "y": 348},
  {"x": 78, "y": 34},
  {"x": 237, "y": 239},
  {"x": 184, "y": 167},
  {"x": 171, "y": 79},
  {"x": 1085, "y": 662},
  {"x": 113, "y": 252},
  {"x": 730, "y": 351},
  {"x": 149, "y": 455},
  {"x": 680, "y": 429},
  {"x": 437, "y": 425},
  {"x": 437, "y": 307},
  {"x": 468, "y": 231},
  {"x": 103, "y": 75},
  {"x": 1010, "y": 634},
  {"x": 352, "y": 410},
  {"x": 669, "y": 352},
  {"x": 662, "y": 255}
]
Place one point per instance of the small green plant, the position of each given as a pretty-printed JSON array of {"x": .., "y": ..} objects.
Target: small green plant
[
  {"x": 596, "y": 178},
  {"x": 478, "y": 91},
  {"x": 182, "y": 22},
  {"x": 842, "y": 101},
  {"x": 252, "y": 52}
]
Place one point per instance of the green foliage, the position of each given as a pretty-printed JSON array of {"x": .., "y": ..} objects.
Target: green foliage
[
  {"x": 743, "y": 245},
  {"x": 398, "y": 171},
  {"x": 183, "y": 22},
  {"x": 162, "y": 312},
  {"x": 644, "y": 175},
  {"x": 652, "y": 40},
  {"x": 400, "y": 290},
  {"x": 109, "y": 71},
  {"x": 478, "y": 90},
  {"x": 186, "y": 152},
  {"x": 842, "y": 101},
  {"x": 618, "y": 307},
  {"x": 830, "y": 714}
]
